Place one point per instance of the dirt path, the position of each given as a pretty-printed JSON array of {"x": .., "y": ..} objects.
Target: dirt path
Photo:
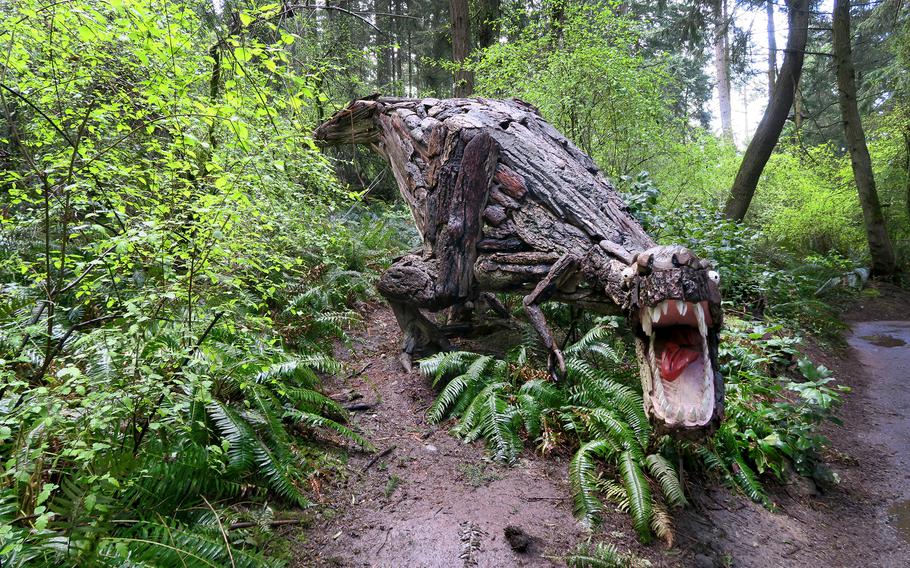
[{"x": 432, "y": 501}]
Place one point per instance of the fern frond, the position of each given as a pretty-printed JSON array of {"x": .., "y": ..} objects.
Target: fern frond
[
  {"x": 442, "y": 364},
  {"x": 281, "y": 474},
  {"x": 607, "y": 425},
  {"x": 662, "y": 523},
  {"x": 667, "y": 478},
  {"x": 319, "y": 362},
  {"x": 640, "y": 504},
  {"x": 583, "y": 476},
  {"x": 316, "y": 421},
  {"x": 530, "y": 410},
  {"x": 748, "y": 482},
  {"x": 604, "y": 555},
  {"x": 159, "y": 544},
  {"x": 240, "y": 436},
  {"x": 312, "y": 401},
  {"x": 500, "y": 431},
  {"x": 453, "y": 391},
  {"x": 457, "y": 394}
]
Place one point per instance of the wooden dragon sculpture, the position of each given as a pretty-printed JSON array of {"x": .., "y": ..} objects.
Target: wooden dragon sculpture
[{"x": 505, "y": 203}]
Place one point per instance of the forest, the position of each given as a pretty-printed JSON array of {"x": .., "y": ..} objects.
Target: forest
[{"x": 208, "y": 357}]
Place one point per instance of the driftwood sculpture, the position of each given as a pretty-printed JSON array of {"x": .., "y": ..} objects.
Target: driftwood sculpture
[{"x": 505, "y": 203}]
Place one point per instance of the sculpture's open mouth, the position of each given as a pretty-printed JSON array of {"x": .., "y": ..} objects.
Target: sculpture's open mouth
[{"x": 676, "y": 348}]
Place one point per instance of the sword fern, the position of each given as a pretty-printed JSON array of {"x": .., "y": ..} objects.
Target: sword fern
[{"x": 505, "y": 402}]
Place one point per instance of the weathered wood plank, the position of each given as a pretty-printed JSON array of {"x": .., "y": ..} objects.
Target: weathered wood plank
[{"x": 458, "y": 217}]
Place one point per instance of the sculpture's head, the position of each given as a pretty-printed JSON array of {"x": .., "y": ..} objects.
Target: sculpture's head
[
  {"x": 677, "y": 316},
  {"x": 354, "y": 124}
]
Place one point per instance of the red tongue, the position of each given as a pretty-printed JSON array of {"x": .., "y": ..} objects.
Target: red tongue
[{"x": 674, "y": 360}]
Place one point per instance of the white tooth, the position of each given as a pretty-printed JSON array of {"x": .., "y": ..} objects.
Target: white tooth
[
  {"x": 680, "y": 415},
  {"x": 681, "y": 307},
  {"x": 657, "y": 382},
  {"x": 646, "y": 321},
  {"x": 700, "y": 317},
  {"x": 707, "y": 362},
  {"x": 693, "y": 415},
  {"x": 665, "y": 306},
  {"x": 667, "y": 411},
  {"x": 655, "y": 314},
  {"x": 651, "y": 356},
  {"x": 659, "y": 389}
]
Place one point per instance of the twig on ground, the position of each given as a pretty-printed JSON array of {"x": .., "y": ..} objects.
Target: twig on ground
[
  {"x": 278, "y": 523},
  {"x": 379, "y": 456},
  {"x": 360, "y": 372}
]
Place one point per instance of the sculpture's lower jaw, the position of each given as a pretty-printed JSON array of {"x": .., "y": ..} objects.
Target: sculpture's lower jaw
[{"x": 677, "y": 353}]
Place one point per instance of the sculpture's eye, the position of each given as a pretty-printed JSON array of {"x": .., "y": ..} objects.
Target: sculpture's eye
[{"x": 714, "y": 276}]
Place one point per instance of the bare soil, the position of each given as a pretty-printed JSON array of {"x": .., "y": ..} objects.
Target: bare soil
[{"x": 429, "y": 500}]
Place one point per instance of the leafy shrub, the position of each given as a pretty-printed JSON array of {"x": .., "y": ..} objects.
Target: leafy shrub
[
  {"x": 757, "y": 277},
  {"x": 771, "y": 419},
  {"x": 587, "y": 79},
  {"x": 173, "y": 277}
]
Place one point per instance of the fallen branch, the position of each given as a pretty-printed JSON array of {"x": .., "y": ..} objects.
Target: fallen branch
[
  {"x": 379, "y": 456},
  {"x": 278, "y": 523},
  {"x": 360, "y": 372}
]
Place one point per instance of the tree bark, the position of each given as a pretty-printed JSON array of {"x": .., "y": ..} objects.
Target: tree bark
[
  {"x": 488, "y": 22},
  {"x": 880, "y": 248},
  {"x": 772, "y": 48},
  {"x": 907, "y": 172},
  {"x": 722, "y": 67},
  {"x": 384, "y": 57},
  {"x": 772, "y": 123},
  {"x": 461, "y": 46}
]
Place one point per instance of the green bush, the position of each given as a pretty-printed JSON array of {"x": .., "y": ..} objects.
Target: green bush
[
  {"x": 775, "y": 402},
  {"x": 176, "y": 260},
  {"x": 588, "y": 80}
]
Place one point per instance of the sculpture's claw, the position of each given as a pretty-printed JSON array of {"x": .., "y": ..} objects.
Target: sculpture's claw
[
  {"x": 407, "y": 364},
  {"x": 556, "y": 364}
]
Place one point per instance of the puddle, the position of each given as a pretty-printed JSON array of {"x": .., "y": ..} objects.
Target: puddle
[
  {"x": 900, "y": 512},
  {"x": 884, "y": 340}
]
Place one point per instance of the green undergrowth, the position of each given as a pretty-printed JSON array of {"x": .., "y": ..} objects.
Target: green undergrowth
[
  {"x": 176, "y": 262},
  {"x": 775, "y": 401},
  {"x": 603, "y": 555}
]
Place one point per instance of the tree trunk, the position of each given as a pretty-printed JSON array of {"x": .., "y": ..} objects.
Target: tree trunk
[
  {"x": 461, "y": 46},
  {"x": 397, "y": 51},
  {"x": 772, "y": 48},
  {"x": 557, "y": 14},
  {"x": 488, "y": 22},
  {"x": 879, "y": 244},
  {"x": 907, "y": 172},
  {"x": 384, "y": 57},
  {"x": 722, "y": 67},
  {"x": 772, "y": 123}
]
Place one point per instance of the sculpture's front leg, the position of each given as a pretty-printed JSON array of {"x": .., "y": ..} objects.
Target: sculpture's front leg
[
  {"x": 565, "y": 269},
  {"x": 409, "y": 285}
]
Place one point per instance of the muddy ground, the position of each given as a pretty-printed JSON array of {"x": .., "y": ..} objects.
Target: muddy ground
[{"x": 429, "y": 500}]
